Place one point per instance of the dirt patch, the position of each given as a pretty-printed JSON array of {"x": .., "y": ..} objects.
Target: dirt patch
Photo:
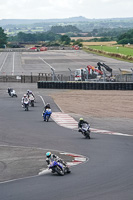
[{"x": 118, "y": 104}]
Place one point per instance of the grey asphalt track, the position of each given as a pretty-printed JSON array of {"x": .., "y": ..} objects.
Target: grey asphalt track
[
  {"x": 19, "y": 63},
  {"x": 108, "y": 175}
]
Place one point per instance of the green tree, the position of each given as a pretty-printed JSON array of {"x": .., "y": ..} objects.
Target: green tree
[
  {"x": 65, "y": 39},
  {"x": 3, "y": 38},
  {"x": 126, "y": 38},
  {"x": 78, "y": 42}
]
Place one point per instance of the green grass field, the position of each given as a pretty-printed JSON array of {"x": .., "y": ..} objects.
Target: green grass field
[{"x": 114, "y": 49}]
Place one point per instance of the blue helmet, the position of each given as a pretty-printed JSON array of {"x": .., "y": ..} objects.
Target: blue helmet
[{"x": 48, "y": 154}]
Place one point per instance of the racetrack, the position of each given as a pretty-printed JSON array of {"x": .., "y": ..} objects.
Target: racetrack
[
  {"x": 25, "y": 138},
  {"x": 107, "y": 175}
]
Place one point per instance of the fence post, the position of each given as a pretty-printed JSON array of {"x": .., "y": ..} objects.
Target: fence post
[{"x": 31, "y": 78}]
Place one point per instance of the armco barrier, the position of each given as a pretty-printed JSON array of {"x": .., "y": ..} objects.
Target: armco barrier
[{"x": 85, "y": 85}]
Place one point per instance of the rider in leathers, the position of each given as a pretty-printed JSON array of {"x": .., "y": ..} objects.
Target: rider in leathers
[
  {"x": 81, "y": 122},
  {"x": 24, "y": 98},
  {"x": 52, "y": 157}
]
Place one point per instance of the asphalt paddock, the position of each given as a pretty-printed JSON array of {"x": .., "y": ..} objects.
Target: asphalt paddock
[{"x": 25, "y": 63}]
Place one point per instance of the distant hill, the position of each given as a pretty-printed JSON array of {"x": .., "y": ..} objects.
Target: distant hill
[
  {"x": 33, "y": 21},
  {"x": 65, "y": 20},
  {"x": 96, "y": 27}
]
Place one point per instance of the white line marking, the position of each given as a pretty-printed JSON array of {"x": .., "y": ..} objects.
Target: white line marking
[
  {"x": 4, "y": 61},
  {"x": 13, "y": 63},
  {"x": 46, "y": 63},
  {"x": 42, "y": 99}
]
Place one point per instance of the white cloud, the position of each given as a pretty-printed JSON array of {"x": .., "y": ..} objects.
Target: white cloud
[{"x": 44, "y": 9}]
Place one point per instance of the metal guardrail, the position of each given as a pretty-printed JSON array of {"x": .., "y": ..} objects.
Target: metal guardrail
[{"x": 34, "y": 78}]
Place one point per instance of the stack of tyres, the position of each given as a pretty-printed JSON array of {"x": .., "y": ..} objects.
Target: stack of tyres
[
  {"x": 101, "y": 86},
  {"x": 80, "y": 85},
  {"x": 43, "y": 85},
  {"x": 106, "y": 86},
  {"x": 130, "y": 86},
  {"x": 74, "y": 85},
  {"x": 112, "y": 86},
  {"x": 70, "y": 85},
  {"x": 50, "y": 84},
  {"x": 53, "y": 84},
  {"x": 60, "y": 85},
  {"x": 67, "y": 85},
  {"x": 83, "y": 85},
  {"x": 119, "y": 86},
  {"x": 116, "y": 86},
  {"x": 39, "y": 84},
  {"x": 123, "y": 86},
  {"x": 63, "y": 85},
  {"x": 86, "y": 86},
  {"x": 56, "y": 85},
  {"x": 97, "y": 86},
  {"x": 90, "y": 86},
  {"x": 77, "y": 85},
  {"x": 46, "y": 86}
]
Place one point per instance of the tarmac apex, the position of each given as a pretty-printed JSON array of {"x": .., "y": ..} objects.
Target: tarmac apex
[{"x": 17, "y": 162}]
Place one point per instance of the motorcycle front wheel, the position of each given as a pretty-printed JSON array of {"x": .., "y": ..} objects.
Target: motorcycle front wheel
[
  {"x": 47, "y": 118},
  {"x": 88, "y": 135},
  {"x": 59, "y": 171}
]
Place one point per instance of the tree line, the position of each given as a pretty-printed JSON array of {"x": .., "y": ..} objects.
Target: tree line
[
  {"x": 53, "y": 37},
  {"x": 126, "y": 38}
]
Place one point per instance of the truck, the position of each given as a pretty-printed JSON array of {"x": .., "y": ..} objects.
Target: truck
[{"x": 90, "y": 72}]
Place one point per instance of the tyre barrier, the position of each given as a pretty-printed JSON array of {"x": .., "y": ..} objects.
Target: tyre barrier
[{"x": 85, "y": 85}]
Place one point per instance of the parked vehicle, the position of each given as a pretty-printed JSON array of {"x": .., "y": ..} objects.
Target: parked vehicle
[{"x": 85, "y": 130}]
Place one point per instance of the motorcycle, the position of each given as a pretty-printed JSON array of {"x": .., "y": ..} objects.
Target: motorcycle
[
  {"x": 85, "y": 130},
  {"x": 59, "y": 168},
  {"x": 26, "y": 104},
  {"x": 32, "y": 100},
  {"x": 12, "y": 93},
  {"x": 46, "y": 115}
]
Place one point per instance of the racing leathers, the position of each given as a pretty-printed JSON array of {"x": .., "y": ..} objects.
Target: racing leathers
[
  {"x": 25, "y": 98},
  {"x": 81, "y": 122},
  {"x": 54, "y": 157}
]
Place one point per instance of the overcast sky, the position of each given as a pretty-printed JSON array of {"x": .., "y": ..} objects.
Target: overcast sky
[{"x": 51, "y": 9}]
